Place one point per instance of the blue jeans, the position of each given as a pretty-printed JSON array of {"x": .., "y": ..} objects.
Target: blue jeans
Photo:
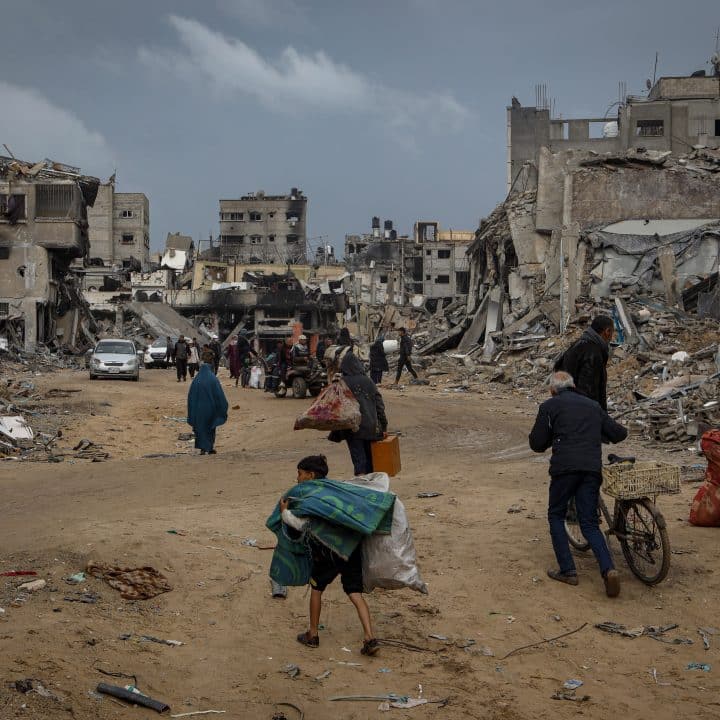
[
  {"x": 361, "y": 455},
  {"x": 585, "y": 488}
]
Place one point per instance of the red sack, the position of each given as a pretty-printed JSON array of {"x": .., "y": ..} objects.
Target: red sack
[
  {"x": 335, "y": 409},
  {"x": 705, "y": 509}
]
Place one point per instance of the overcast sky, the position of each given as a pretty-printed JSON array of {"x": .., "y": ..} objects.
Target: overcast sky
[{"x": 393, "y": 108}]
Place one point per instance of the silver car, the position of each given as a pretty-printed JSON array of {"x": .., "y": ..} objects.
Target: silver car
[{"x": 115, "y": 358}]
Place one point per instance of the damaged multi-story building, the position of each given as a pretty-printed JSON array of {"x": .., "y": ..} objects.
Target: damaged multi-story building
[
  {"x": 637, "y": 212},
  {"x": 431, "y": 264},
  {"x": 43, "y": 228},
  {"x": 119, "y": 233},
  {"x": 260, "y": 228}
]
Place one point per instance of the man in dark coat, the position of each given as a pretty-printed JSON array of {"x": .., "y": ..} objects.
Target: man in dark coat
[
  {"x": 405, "y": 353},
  {"x": 586, "y": 360},
  {"x": 216, "y": 347},
  {"x": 575, "y": 427},
  {"x": 207, "y": 406},
  {"x": 372, "y": 410},
  {"x": 181, "y": 352},
  {"x": 169, "y": 351},
  {"x": 378, "y": 360}
]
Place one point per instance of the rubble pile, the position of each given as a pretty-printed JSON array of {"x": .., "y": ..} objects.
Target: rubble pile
[
  {"x": 663, "y": 377},
  {"x": 29, "y": 423}
]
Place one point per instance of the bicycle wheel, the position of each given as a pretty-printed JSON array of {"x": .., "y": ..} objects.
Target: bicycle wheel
[
  {"x": 572, "y": 528},
  {"x": 644, "y": 540}
]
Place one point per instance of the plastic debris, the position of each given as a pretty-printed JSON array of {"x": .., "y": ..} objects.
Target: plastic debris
[
  {"x": 291, "y": 670},
  {"x": 17, "y": 573},
  {"x": 76, "y": 579},
  {"x": 699, "y": 666},
  {"x": 438, "y": 637},
  {"x": 249, "y": 542},
  {"x": 199, "y": 712},
  {"x": 324, "y": 675},
  {"x": 151, "y": 638},
  {"x": 384, "y": 670},
  {"x": 572, "y": 684},
  {"x": 133, "y": 696},
  {"x": 705, "y": 634},
  {"x": 654, "y": 674},
  {"x": 429, "y": 494}
]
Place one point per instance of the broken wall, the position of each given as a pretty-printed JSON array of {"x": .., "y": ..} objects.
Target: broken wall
[{"x": 601, "y": 196}]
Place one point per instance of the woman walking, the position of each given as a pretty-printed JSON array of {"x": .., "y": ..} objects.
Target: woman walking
[{"x": 207, "y": 406}]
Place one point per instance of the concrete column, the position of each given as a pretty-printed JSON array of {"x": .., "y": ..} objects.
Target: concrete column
[{"x": 29, "y": 311}]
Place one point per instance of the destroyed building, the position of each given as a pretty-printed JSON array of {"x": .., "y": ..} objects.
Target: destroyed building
[
  {"x": 263, "y": 229},
  {"x": 430, "y": 265},
  {"x": 119, "y": 230},
  {"x": 637, "y": 213},
  {"x": 43, "y": 228},
  {"x": 677, "y": 114}
]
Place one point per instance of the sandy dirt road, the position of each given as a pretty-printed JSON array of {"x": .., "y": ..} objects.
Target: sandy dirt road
[{"x": 485, "y": 569}]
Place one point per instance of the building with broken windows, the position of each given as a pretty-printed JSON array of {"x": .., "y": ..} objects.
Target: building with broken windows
[
  {"x": 677, "y": 114},
  {"x": 636, "y": 223},
  {"x": 263, "y": 229},
  {"x": 432, "y": 264},
  {"x": 43, "y": 228},
  {"x": 120, "y": 228}
]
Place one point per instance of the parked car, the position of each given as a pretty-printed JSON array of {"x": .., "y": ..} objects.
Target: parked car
[
  {"x": 115, "y": 358},
  {"x": 155, "y": 355}
]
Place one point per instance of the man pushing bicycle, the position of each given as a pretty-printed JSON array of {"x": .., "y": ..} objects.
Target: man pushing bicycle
[{"x": 575, "y": 427}]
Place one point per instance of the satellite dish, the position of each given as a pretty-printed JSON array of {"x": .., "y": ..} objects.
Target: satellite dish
[{"x": 648, "y": 84}]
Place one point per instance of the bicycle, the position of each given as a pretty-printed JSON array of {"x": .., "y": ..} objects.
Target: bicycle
[{"x": 636, "y": 521}]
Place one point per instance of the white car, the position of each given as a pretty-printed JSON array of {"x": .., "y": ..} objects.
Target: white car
[
  {"x": 115, "y": 358},
  {"x": 155, "y": 355}
]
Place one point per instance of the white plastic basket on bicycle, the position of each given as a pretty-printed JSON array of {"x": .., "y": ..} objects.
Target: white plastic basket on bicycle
[{"x": 626, "y": 481}]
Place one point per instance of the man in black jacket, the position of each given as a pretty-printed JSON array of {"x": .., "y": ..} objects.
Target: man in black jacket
[
  {"x": 587, "y": 359},
  {"x": 575, "y": 427},
  {"x": 181, "y": 353},
  {"x": 378, "y": 360},
  {"x": 405, "y": 353}
]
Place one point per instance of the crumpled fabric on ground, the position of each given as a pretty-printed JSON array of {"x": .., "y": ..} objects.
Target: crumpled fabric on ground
[{"x": 140, "y": 583}]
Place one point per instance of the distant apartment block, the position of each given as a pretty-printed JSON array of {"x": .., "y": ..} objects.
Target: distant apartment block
[
  {"x": 120, "y": 228},
  {"x": 260, "y": 228},
  {"x": 677, "y": 114}
]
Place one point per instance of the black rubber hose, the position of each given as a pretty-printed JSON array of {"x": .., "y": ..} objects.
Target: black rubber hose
[{"x": 132, "y": 697}]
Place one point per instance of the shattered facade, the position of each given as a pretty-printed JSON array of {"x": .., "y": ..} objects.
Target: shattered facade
[
  {"x": 43, "y": 228},
  {"x": 120, "y": 227},
  {"x": 387, "y": 268},
  {"x": 678, "y": 114},
  {"x": 263, "y": 228}
]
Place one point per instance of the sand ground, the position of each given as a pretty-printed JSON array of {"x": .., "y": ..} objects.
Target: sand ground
[{"x": 485, "y": 569}]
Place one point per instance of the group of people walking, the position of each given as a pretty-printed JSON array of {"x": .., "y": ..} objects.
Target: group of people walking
[{"x": 185, "y": 355}]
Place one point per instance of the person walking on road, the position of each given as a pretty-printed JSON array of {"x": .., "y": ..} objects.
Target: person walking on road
[
  {"x": 182, "y": 352},
  {"x": 575, "y": 427},
  {"x": 405, "y": 354},
  {"x": 194, "y": 358},
  {"x": 207, "y": 406},
  {"x": 217, "y": 350},
  {"x": 373, "y": 424},
  {"x": 326, "y": 565},
  {"x": 169, "y": 352},
  {"x": 378, "y": 360},
  {"x": 586, "y": 360},
  {"x": 237, "y": 353}
]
